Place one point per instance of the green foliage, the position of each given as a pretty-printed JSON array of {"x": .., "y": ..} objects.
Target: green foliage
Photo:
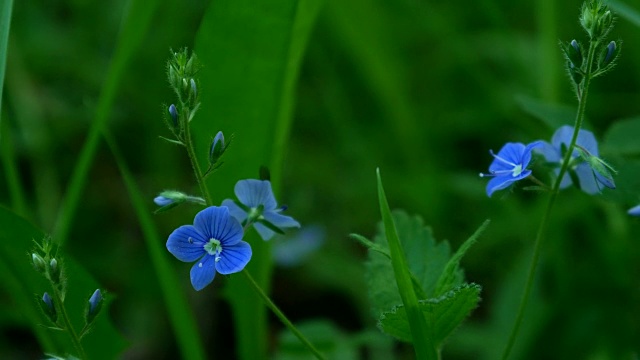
[
  {"x": 622, "y": 138},
  {"x": 436, "y": 277},
  {"x": 20, "y": 282},
  {"x": 444, "y": 314}
]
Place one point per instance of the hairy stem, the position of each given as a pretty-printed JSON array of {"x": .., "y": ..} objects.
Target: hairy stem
[
  {"x": 582, "y": 103},
  {"x": 67, "y": 323}
]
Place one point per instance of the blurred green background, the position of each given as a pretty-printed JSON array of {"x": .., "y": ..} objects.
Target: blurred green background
[{"x": 421, "y": 89}]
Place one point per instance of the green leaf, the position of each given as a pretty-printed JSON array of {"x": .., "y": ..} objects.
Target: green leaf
[
  {"x": 182, "y": 318},
  {"x": 450, "y": 276},
  {"x": 251, "y": 53},
  {"x": 622, "y": 138},
  {"x": 444, "y": 314},
  {"x": 23, "y": 287},
  {"x": 552, "y": 115},
  {"x": 424, "y": 345},
  {"x": 135, "y": 23},
  {"x": 426, "y": 259}
]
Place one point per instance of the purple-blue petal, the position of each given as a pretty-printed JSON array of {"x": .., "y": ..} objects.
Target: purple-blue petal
[
  {"x": 550, "y": 153},
  {"x": 279, "y": 220},
  {"x": 186, "y": 243},
  {"x": 203, "y": 272},
  {"x": 634, "y": 211},
  {"x": 264, "y": 232},
  {"x": 235, "y": 210},
  {"x": 215, "y": 223},
  {"x": 511, "y": 152},
  {"x": 253, "y": 193},
  {"x": 162, "y": 201},
  {"x": 504, "y": 181},
  {"x": 526, "y": 155},
  {"x": 587, "y": 179},
  {"x": 585, "y": 139},
  {"x": 234, "y": 258}
]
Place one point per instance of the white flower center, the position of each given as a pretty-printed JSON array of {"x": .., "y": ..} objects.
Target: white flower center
[
  {"x": 214, "y": 248},
  {"x": 517, "y": 170}
]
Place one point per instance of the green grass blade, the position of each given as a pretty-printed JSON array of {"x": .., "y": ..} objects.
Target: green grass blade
[
  {"x": 5, "y": 23},
  {"x": 626, "y": 11},
  {"x": 16, "y": 190},
  {"x": 423, "y": 341},
  {"x": 182, "y": 319},
  {"x": 136, "y": 21}
]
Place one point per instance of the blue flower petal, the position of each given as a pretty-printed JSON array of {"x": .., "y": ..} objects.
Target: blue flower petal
[
  {"x": 585, "y": 139},
  {"x": 635, "y": 211},
  {"x": 235, "y": 210},
  {"x": 279, "y": 220},
  {"x": 526, "y": 155},
  {"x": 186, "y": 243},
  {"x": 203, "y": 272},
  {"x": 226, "y": 228},
  {"x": 253, "y": 193},
  {"x": 550, "y": 153},
  {"x": 264, "y": 232},
  {"x": 510, "y": 152},
  {"x": 234, "y": 258},
  {"x": 587, "y": 180}
]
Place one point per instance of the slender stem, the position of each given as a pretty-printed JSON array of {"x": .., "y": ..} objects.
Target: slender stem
[
  {"x": 281, "y": 316},
  {"x": 270, "y": 304},
  {"x": 194, "y": 162},
  {"x": 582, "y": 103},
  {"x": 67, "y": 323}
]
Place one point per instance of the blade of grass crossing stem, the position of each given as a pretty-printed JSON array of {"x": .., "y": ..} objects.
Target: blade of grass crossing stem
[
  {"x": 135, "y": 24},
  {"x": 422, "y": 340},
  {"x": 182, "y": 319}
]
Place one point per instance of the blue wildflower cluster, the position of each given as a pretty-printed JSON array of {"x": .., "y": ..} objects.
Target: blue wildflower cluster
[
  {"x": 585, "y": 170},
  {"x": 215, "y": 240}
]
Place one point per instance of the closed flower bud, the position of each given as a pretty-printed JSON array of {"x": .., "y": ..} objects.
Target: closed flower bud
[
  {"x": 48, "y": 307},
  {"x": 217, "y": 148},
  {"x": 38, "y": 263},
  {"x": 573, "y": 54},
  {"x": 194, "y": 88},
  {"x": 95, "y": 305},
  {"x": 54, "y": 271},
  {"x": 173, "y": 112}
]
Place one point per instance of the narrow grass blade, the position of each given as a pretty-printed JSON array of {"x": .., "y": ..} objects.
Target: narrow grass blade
[
  {"x": 182, "y": 319},
  {"x": 137, "y": 19},
  {"x": 423, "y": 341}
]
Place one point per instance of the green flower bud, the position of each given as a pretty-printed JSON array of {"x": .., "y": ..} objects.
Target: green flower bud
[{"x": 38, "y": 263}]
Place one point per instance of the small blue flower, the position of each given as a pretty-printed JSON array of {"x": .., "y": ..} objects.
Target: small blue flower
[
  {"x": 509, "y": 165},
  {"x": 554, "y": 153},
  {"x": 261, "y": 205},
  {"x": 294, "y": 251},
  {"x": 214, "y": 242},
  {"x": 635, "y": 211},
  {"x": 94, "y": 301}
]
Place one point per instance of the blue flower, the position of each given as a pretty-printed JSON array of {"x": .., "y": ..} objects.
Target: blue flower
[
  {"x": 214, "y": 242},
  {"x": 509, "y": 165},
  {"x": 635, "y": 211},
  {"x": 554, "y": 153},
  {"x": 258, "y": 205}
]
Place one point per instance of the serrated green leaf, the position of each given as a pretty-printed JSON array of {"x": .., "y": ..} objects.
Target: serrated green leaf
[
  {"x": 622, "y": 138},
  {"x": 443, "y": 314},
  {"x": 426, "y": 259},
  {"x": 449, "y": 277},
  {"x": 424, "y": 347}
]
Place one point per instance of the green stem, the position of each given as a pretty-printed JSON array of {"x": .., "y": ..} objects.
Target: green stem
[
  {"x": 194, "y": 162},
  {"x": 205, "y": 193},
  {"x": 582, "y": 103},
  {"x": 281, "y": 316},
  {"x": 67, "y": 323}
]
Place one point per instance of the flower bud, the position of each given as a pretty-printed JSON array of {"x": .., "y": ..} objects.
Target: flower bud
[
  {"x": 572, "y": 53},
  {"x": 48, "y": 307},
  {"x": 38, "y": 263},
  {"x": 95, "y": 305},
  {"x": 54, "y": 271},
  {"x": 194, "y": 88},
  {"x": 173, "y": 112},
  {"x": 217, "y": 148}
]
